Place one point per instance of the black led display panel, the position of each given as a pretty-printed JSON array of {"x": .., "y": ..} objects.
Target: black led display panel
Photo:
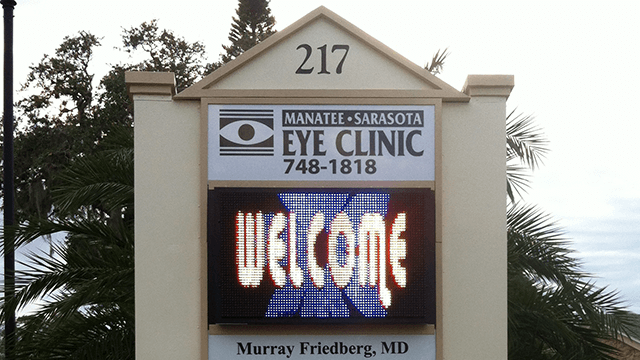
[{"x": 314, "y": 256}]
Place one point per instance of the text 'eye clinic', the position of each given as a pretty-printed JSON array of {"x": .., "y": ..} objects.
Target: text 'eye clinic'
[{"x": 246, "y": 132}]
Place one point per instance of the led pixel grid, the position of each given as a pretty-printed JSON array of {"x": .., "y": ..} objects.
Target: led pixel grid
[{"x": 321, "y": 255}]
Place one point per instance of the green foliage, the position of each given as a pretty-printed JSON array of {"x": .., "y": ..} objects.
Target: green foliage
[
  {"x": 74, "y": 157},
  {"x": 166, "y": 52},
  {"x": 74, "y": 168},
  {"x": 555, "y": 311},
  {"x": 56, "y": 122},
  {"x": 115, "y": 110},
  {"x": 62, "y": 117},
  {"x": 85, "y": 286},
  {"x": 526, "y": 147},
  {"x": 64, "y": 77},
  {"x": 253, "y": 24}
]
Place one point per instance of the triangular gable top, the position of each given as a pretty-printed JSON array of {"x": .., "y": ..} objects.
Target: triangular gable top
[{"x": 296, "y": 58}]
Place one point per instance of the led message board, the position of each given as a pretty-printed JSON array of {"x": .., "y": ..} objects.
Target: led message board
[{"x": 321, "y": 255}]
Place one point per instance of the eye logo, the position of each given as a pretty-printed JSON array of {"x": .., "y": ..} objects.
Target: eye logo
[{"x": 246, "y": 132}]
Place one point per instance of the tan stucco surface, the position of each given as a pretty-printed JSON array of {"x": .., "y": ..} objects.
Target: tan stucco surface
[
  {"x": 363, "y": 68},
  {"x": 474, "y": 242},
  {"x": 169, "y": 271}
]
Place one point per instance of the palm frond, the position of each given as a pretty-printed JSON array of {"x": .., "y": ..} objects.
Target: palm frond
[
  {"x": 93, "y": 229},
  {"x": 555, "y": 309},
  {"x": 526, "y": 148},
  {"x": 86, "y": 270},
  {"x": 437, "y": 62},
  {"x": 537, "y": 247},
  {"x": 525, "y": 141},
  {"x": 84, "y": 287},
  {"x": 96, "y": 333},
  {"x": 517, "y": 181},
  {"x": 546, "y": 323},
  {"x": 105, "y": 180}
]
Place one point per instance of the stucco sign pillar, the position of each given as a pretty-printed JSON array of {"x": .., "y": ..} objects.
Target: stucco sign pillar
[{"x": 320, "y": 196}]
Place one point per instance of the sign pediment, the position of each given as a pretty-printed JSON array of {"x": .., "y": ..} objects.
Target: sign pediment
[{"x": 321, "y": 52}]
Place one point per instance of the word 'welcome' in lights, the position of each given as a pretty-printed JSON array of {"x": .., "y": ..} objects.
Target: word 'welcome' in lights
[
  {"x": 372, "y": 252},
  {"x": 321, "y": 255}
]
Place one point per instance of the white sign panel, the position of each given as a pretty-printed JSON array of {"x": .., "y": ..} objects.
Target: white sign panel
[
  {"x": 343, "y": 347},
  {"x": 321, "y": 142}
]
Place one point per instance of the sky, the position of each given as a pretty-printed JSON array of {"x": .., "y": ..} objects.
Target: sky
[{"x": 575, "y": 66}]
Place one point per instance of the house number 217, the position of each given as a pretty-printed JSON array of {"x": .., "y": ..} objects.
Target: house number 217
[{"x": 307, "y": 69}]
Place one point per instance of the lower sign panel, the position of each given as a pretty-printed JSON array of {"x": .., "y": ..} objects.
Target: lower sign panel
[
  {"x": 343, "y": 347},
  {"x": 321, "y": 256}
]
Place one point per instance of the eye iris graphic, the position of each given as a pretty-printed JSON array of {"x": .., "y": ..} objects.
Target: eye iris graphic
[{"x": 246, "y": 132}]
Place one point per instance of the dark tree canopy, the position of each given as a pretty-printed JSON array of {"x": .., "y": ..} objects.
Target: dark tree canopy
[
  {"x": 63, "y": 116},
  {"x": 65, "y": 76},
  {"x": 253, "y": 24},
  {"x": 166, "y": 52},
  {"x": 55, "y": 122},
  {"x": 74, "y": 169}
]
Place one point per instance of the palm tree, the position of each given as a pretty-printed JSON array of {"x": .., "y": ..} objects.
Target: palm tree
[
  {"x": 554, "y": 309},
  {"x": 85, "y": 286}
]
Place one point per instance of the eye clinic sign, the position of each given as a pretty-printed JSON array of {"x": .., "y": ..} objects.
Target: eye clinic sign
[
  {"x": 321, "y": 142},
  {"x": 171, "y": 153}
]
